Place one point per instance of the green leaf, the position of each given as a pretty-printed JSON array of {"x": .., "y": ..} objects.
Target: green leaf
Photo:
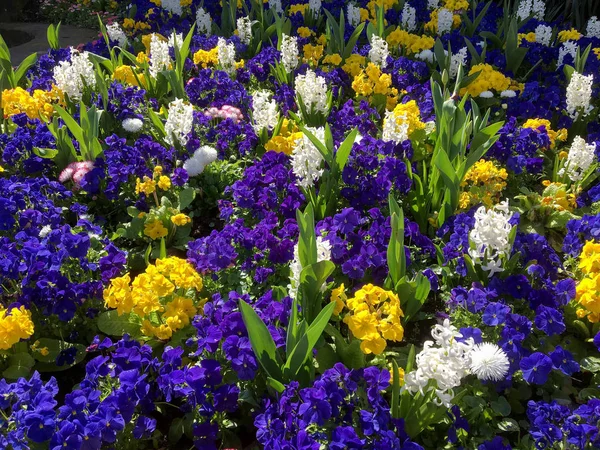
[
  {"x": 312, "y": 278},
  {"x": 186, "y": 197},
  {"x": 304, "y": 348},
  {"x": 307, "y": 241},
  {"x": 46, "y": 153},
  {"x": 395, "y": 407},
  {"x": 54, "y": 347},
  {"x": 24, "y": 67},
  {"x": 261, "y": 341},
  {"x": 508, "y": 425},
  {"x": 176, "y": 430},
  {"x": 19, "y": 365},
  {"x": 501, "y": 406},
  {"x": 111, "y": 324},
  {"x": 591, "y": 364},
  {"x": 276, "y": 385},
  {"x": 341, "y": 156}
]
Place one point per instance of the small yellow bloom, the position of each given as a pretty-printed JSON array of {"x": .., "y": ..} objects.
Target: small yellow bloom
[
  {"x": 155, "y": 230},
  {"x": 164, "y": 182},
  {"x": 338, "y": 295},
  {"x": 180, "y": 219},
  {"x": 148, "y": 186}
]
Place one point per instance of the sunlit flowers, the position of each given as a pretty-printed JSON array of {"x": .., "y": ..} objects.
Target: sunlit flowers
[
  {"x": 374, "y": 318},
  {"x": 72, "y": 77},
  {"x": 579, "y": 95},
  {"x": 588, "y": 289},
  {"x": 15, "y": 325},
  {"x": 179, "y": 122}
]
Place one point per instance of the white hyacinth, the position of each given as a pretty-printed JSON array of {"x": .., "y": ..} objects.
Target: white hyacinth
[
  {"x": 276, "y": 6},
  {"x": 543, "y": 34},
  {"x": 379, "y": 51},
  {"x": 175, "y": 40},
  {"x": 312, "y": 89},
  {"x": 531, "y": 8},
  {"x": 306, "y": 158},
  {"x": 444, "y": 361},
  {"x": 173, "y": 6},
  {"x": 489, "y": 237},
  {"x": 581, "y": 156},
  {"x": 489, "y": 362},
  {"x": 289, "y": 52},
  {"x": 159, "y": 56},
  {"x": 457, "y": 59},
  {"x": 395, "y": 128},
  {"x": 567, "y": 48},
  {"x": 116, "y": 34},
  {"x": 323, "y": 254},
  {"x": 593, "y": 28},
  {"x": 132, "y": 125},
  {"x": 199, "y": 160},
  {"x": 579, "y": 95},
  {"x": 353, "y": 14},
  {"x": 445, "y": 21},
  {"x": 179, "y": 121},
  {"x": 244, "y": 27},
  {"x": 409, "y": 17},
  {"x": 203, "y": 22},
  {"x": 433, "y": 4},
  {"x": 264, "y": 111},
  {"x": 226, "y": 55},
  {"x": 425, "y": 55},
  {"x": 314, "y": 6},
  {"x": 72, "y": 77}
]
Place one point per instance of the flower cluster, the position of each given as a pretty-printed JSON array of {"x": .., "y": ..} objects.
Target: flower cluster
[
  {"x": 483, "y": 183},
  {"x": 15, "y": 324}
]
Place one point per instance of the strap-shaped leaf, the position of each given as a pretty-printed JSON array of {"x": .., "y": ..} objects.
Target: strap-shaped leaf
[
  {"x": 343, "y": 152},
  {"x": 261, "y": 341},
  {"x": 307, "y": 242},
  {"x": 395, "y": 406},
  {"x": 312, "y": 278}
]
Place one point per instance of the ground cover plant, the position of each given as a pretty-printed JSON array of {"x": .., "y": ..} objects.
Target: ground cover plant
[{"x": 279, "y": 225}]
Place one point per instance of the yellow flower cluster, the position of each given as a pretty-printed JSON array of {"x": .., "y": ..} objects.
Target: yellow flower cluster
[
  {"x": 456, "y": 5},
  {"x": 409, "y": 113},
  {"x": 338, "y": 295},
  {"x": 162, "y": 296},
  {"x": 488, "y": 79},
  {"x": 312, "y": 54},
  {"x": 130, "y": 24},
  {"x": 555, "y": 196},
  {"x": 148, "y": 185},
  {"x": 411, "y": 43},
  {"x": 285, "y": 141},
  {"x": 372, "y": 81},
  {"x": 372, "y": 11},
  {"x": 206, "y": 58},
  {"x": 588, "y": 289},
  {"x": 535, "y": 124},
  {"x": 354, "y": 64},
  {"x": 36, "y": 106},
  {"x": 483, "y": 183},
  {"x": 14, "y": 326},
  {"x": 529, "y": 37},
  {"x": 298, "y": 8},
  {"x": 374, "y": 317},
  {"x": 569, "y": 35},
  {"x": 155, "y": 229},
  {"x": 125, "y": 74}
]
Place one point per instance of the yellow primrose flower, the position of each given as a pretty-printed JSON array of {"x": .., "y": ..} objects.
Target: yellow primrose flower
[
  {"x": 338, "y": 295},
  {"x": 15, "y": 325},
  {"x": 180, "y": 219},
  {"x": 164, "y": 182},
  {"x": 155, "y": 230}
]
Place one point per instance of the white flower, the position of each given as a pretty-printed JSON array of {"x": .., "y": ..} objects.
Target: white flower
[
  {"x": 457, "y": 59},
  {"x": 593, "y": 28},
  {"x": 353, "y": 13},
  {"x": 46, "y": 229},
  {"x": 264, "y": 111},
  {"x": 179, "y": 121},
  {"x": 567, "y": 48},
  {"x": 581, "y": 156},
  {"x": 226, "y": 55},
  {"x": 433, "y": 4},
  {"x": 173, "y": 6},
  {"x": 486, "y": 94},
  {"x": 543, "y": 34},
  {"x": 203, "y": 22},
  {"x": 244, "y": 27},
  {"x": 175, "y": 40},
  {"x": 323, "y": 254},
  {"x": 489, "y": 362},
  {"x": 445, "y": 21},
  {"x": 379, "y": 51},
  {"x": 159, "y": 56},
  {"x": 490, "y": 237},
  {"x": 395, "y": 127},
  {"x": 289, "y": 52},
  {"x": 276, "y": 5},
  {"x": 314, "y": 6},
  {"x": 116, "y": 34},
  {"x": 306, "y": 158},
  {"x": 425, "y": 55},
  {"x": 524, "y": 10},
  {"x": 72, "y": 77},
  {"x": 409, "y": 17},
  {"x": 508, "y": 94},
  {"x": 538, "y": 9},
  {"x": 441, "y": 365},
  {"x": 579, "y": 95},
  {"x": 132, "y": 125},
  {"x": 312, "y": 89},
  {"x": 199, "y": 160}
]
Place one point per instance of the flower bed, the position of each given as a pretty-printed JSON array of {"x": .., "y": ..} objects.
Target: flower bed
[{"x": 303, "y": 226}]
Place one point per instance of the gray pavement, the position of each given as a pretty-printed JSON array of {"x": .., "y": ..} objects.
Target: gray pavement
[{"x": 69, "y": 36}]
